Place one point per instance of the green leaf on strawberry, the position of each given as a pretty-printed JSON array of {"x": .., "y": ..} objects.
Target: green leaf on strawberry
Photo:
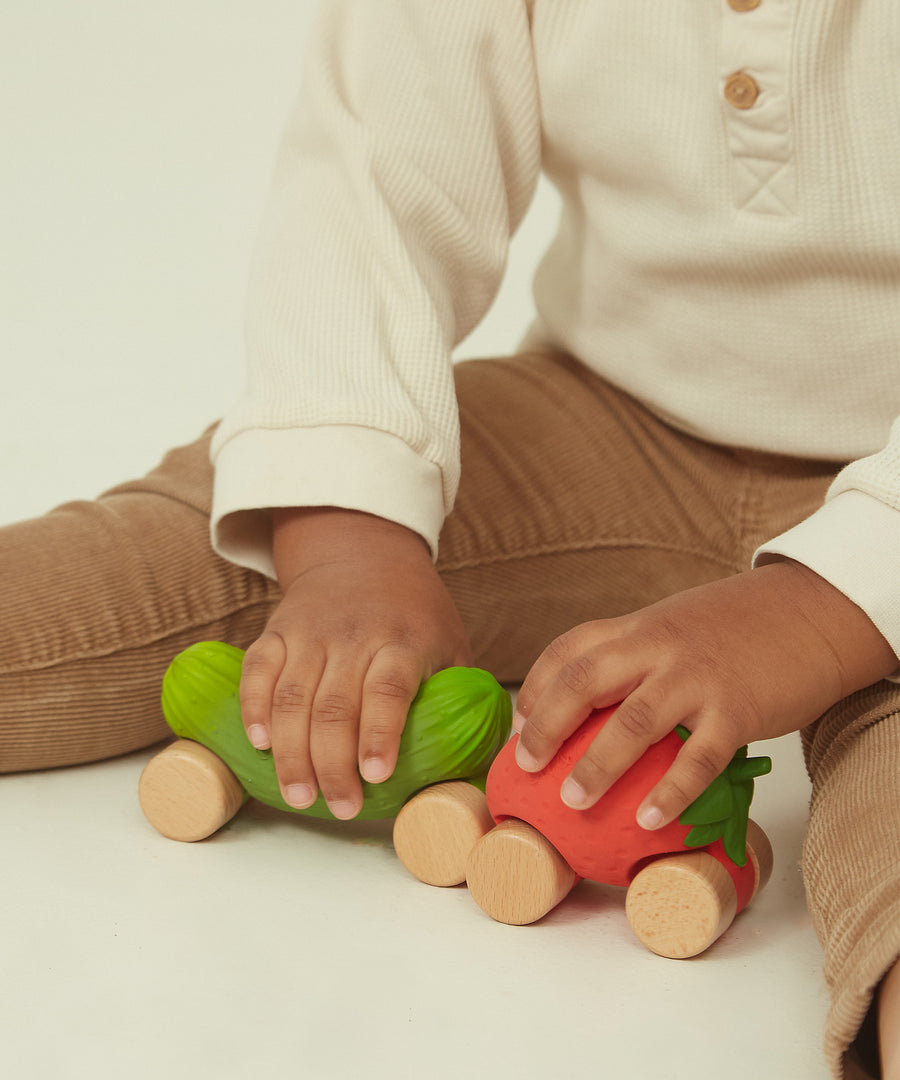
[{"x": 722, "y": 812}]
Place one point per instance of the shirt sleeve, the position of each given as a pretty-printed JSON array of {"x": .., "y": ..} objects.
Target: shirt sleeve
[
  {"x": 853, "y": 541},
  {"x": 408, "y": 162}
]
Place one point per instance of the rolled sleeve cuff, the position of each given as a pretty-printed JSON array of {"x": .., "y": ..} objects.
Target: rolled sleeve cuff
[
  {"x": 354, "y": 468},
  {"x": 853, "y": 541}
]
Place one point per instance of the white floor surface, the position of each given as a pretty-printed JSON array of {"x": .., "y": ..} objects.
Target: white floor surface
[{"x": 137, "y": 142}]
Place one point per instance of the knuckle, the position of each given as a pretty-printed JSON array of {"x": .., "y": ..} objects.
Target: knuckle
[
  {"x": 378, "y": 733},
  {"x": 257, "y": 670},
  {"x": 705, "y": 763},
  {"x": 638, "y": 718},
  {"x": 575, "y": 676},
  {"x": 559, "y": 650},
  {"x": 675, "y": 793},
  {"x": 401, "y": 636},
  {"x": 332, "y": 707},
  {"x": 566, "y": 647},
  {"x": 290, "y": 696},
  {"x": 537, "y": 734},
  {"x": 391, "y": 688},
  {"x": 695, "y": 772},
  {"x": 384, "y": 713},
  {"x": 591, "y": 770},
  {"x": 266, "y": 652}
]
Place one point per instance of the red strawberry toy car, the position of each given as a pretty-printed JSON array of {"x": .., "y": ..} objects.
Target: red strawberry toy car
[{"x": 521, "y": 849}]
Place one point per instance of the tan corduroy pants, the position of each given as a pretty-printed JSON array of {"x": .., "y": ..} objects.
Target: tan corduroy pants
[{"x": 575, "y": 504}]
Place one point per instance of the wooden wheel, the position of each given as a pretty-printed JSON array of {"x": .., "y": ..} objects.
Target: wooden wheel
[
  {"x": 437, "y": 829},
  {"x": 516, "y": 875},
  {"x": 187, "y": 792},
  {"x": 679, "y": 905},
  {"x": 759, "y": 851}
]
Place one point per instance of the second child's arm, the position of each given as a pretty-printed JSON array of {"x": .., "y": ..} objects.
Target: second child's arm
[{"x": 365, "y": 619}]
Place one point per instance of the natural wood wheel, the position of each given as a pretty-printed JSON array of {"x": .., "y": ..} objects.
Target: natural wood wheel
[
  {"x": 516, "y": 875},
  {"x": 437, "y": 829},
  {"x": 679, "y": 905},
  {"x": 187, "y": 792},
  {"x": 759, "y": 850}
]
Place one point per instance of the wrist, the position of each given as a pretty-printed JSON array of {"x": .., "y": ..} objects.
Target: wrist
[
  {"x": 857, "y": 647},
  {"x": 305, "y": 537}
]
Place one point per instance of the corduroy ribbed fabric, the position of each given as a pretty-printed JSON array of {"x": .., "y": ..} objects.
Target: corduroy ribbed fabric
[
  {"x": 98, "y": 597},
  {"x": 575, "y": 503},
  {"x": 851, "y": 864}
]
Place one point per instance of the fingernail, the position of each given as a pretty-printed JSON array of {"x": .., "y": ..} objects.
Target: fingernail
[
  {"x": 650, "y": 818},
  {"x": 518, "y": 722},
  {"x": 343, "y": 809},
  {"x": 375, "y": 770},
  {"x": 300, "y": 796},
  {"x": 573, "y": 794},
  {"x": 258, "y": 735},
  {"x": 526, "y": 760}
]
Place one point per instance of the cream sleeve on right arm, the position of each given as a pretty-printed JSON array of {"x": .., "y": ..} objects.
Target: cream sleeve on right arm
[
  {"x": 410, "y": 158},
  {"x": 853, "y": 540}
]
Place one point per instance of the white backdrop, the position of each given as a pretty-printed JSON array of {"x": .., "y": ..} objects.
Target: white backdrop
[{"x": 137, "y": 142}]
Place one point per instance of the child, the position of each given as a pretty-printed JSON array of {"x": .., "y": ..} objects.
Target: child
[{"x": 682, "y": 494}]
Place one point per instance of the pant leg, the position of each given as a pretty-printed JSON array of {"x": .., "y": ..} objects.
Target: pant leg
[
  {"x": 97, "y": 599},
  {"x": 851, "y": 864},
  {"x": 578, "y": 504},
  {"x": 573, "y": 504}
]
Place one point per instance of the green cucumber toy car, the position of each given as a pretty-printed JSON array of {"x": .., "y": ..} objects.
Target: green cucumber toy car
[{"x": 457, "y": 723}]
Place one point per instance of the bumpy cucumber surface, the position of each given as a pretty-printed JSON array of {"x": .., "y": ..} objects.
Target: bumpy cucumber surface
[{"x": 457, "y": 724}]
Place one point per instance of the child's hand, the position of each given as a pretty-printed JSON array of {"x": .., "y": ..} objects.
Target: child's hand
[
  {"x": 750, "y": 657},
  {"x": 364, "y": 621}
]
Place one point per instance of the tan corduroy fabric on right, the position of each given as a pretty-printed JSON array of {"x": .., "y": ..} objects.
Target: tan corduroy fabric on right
[
  {"x": 575, "y": 503},
  {"x": 851, "y": 861}
]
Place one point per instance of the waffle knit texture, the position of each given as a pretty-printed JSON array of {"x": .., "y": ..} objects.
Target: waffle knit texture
[{"x": 734, "y": 269}]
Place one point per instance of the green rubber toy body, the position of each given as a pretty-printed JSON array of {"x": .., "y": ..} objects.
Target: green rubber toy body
[{"x": 457, "y": 723}]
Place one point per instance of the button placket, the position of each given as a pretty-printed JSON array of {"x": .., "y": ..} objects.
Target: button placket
[{"x": 755, "y": 60}]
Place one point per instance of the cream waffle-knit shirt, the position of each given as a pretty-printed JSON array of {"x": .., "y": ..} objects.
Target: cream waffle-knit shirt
[{"x": 728, "y": 250}]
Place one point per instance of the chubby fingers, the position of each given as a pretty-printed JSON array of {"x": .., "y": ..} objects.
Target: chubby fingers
[
  {"x": 261, "y": 667},
  {"x": 702, "y": 758},
  {"x": 641, "y": 720},
  {"x": 586, "y": 670},
  {"x": 308, "y": 713},
  {"x": 644, "y": 717},
  {"x": 578, "y": 672},
  {"x": 390, "y": 684},
  {"x": 329, "y": 720}
]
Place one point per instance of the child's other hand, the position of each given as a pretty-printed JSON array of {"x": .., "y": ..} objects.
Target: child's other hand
[
  {"x": 365, "y": 619},
  {"x": 750, "y": 657}
]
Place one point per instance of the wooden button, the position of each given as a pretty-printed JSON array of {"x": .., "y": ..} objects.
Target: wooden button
[
  {"x": 743, "y": 5},
  {"x": 741, "y": 90}
]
